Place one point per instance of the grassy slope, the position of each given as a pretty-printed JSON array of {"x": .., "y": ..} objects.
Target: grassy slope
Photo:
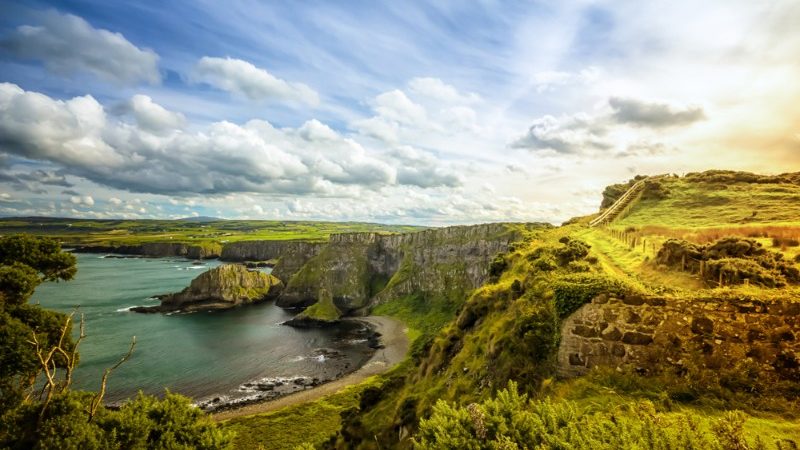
[
  {"x": 128, "y": 232},
  {"x": 697, "y": 204}
]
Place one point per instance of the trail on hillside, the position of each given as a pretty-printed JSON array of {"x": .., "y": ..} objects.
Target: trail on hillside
[{"x": 395, "y": 341}]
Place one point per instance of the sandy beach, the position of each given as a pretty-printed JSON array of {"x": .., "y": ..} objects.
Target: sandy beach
[{"x": 395, "y": 342}]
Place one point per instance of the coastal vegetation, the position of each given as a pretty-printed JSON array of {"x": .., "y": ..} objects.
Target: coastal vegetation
[{"x": 38, "y": 354}]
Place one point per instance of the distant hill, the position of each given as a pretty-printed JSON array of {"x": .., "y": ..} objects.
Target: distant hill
[{"x": 201, "y": 219}]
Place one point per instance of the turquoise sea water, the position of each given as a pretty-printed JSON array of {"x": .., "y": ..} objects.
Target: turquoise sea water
[{"x": 200, "y": 354}]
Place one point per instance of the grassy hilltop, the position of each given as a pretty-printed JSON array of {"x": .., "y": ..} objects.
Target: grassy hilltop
[{"x": 722, "y": 235}]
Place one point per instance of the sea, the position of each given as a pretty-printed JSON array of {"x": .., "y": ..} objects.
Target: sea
[{"x": 214, "y": 357}]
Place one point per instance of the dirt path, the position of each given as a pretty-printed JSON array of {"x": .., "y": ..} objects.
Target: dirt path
[{"x": 395, "y": 341}]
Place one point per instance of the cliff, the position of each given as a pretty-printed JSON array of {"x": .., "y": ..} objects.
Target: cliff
[
  {"x": 360, "y": 270},
  {"x": 291, "y": 255},
  {"x": 220, "y": 288},
  {"x": 155, "y": 249}
]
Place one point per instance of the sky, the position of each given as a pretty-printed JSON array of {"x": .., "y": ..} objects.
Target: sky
[{"x": 394, "y": 112}]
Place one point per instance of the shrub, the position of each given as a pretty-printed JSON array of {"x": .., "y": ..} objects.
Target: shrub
[
  {"x": 573, "y": 291},
  {"x": 731, "y": 260},
  {"x": 545, "y": 263},
  {"x": 654, "y": 190},
  {"x": 511, "y": 421},
  {"x": 572, "y": 250},
  {"x": 498, "y": 265}
]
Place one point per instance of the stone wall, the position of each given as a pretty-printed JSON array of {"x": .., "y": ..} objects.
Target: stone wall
[{"x": 650, "y": 333}]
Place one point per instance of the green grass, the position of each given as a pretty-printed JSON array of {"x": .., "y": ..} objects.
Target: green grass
[
  {"x": 422, "y": 315},
  {"x": 324, "y": 309},
  {"x": 314, "y": 422},
  {"x": 693, "y": 204},
  {"x": 131, "y": 232}
]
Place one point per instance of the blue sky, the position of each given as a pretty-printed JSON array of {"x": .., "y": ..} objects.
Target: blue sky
[{"x": 400, "y": 112}]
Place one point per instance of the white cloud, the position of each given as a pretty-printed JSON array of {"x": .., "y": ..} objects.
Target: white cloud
[
  {"x": 115, "y": 201},
  {"x": 246, "y": 80},
  {"x": 67, "y": 44},
  {"x": 154, "y": 117},
  {"x": 396, "y": 106},
  {"x": 86, "y": 200},
  {"x": 219, "y": 158}
]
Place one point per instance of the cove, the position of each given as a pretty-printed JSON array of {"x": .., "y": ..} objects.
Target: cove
[{"x": 204, "y": 355}]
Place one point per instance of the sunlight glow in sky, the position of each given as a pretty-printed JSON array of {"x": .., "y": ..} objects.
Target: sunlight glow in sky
[{"x": 397, "y": 112}]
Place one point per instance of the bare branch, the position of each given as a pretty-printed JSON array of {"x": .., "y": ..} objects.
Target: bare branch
[{"x": 98, "y": 398}]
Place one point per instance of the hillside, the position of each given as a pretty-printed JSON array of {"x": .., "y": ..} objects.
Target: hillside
[{"x": 670, "y": 330}]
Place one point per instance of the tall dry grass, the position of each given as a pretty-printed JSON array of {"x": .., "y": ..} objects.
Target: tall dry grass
[{"x": 782, "y": 234}]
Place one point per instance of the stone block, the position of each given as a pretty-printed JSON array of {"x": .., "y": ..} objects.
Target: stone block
[
  {"x": 634, "y": 338},
  {"x": 702, "y": 325}
]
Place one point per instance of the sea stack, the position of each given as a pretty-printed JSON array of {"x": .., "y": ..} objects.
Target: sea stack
[{"x": 223, "y": 287}]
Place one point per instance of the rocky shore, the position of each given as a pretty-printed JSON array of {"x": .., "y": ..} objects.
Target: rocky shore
[{"x": 334, "y": 366}]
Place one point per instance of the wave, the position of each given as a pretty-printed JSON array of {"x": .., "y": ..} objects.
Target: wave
[{"x": 127, "y": 308}]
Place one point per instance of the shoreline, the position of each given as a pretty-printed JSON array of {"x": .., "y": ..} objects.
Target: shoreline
[{"x": 395, "y": 344}]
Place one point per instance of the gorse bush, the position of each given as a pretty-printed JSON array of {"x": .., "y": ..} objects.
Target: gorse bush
[{"x": 511, "y": 421}]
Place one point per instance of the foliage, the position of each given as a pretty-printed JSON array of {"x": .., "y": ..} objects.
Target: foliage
[
  {"x": 654, "y": 190},
  {"x": 730, "y": 260},
  {"x": 573, "y": 291},
  {"x": 498, "y": 265},
  {"x": 511, "y": 421},
  {"x": 143, "y": 423},
  {"x": 34, "y": 340},
  {"x": 25, "y": 262}
]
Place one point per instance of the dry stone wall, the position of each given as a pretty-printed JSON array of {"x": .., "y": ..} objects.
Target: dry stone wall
[{"x": 652, "y": 333}]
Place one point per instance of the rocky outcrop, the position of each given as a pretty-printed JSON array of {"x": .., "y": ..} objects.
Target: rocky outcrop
[
  {"x": 654, "y": 333},
  {"x": 359, "y": 270},
  {"x": 223, "y": 287},
  {"x": 290, "y": 255},
  {"x": 158, "y": 249},
  {"x": 320, "y": 314}
]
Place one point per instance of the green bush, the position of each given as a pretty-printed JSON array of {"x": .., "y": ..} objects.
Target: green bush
[
  {"x": 511, "y": 421},
  {"x": 573, "y": 250},
  {"x": 143, "y": 423},
  {"x": 573, "y": 291},
  {"x": 498, "y": 265}
]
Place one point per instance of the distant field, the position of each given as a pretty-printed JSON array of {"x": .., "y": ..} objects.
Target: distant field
[{"x": 129, "y": 232}]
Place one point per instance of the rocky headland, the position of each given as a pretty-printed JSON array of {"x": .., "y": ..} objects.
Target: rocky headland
[{"x": 223, "y": 287}]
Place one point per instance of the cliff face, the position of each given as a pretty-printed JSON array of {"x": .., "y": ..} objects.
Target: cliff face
[
  {"x": 204, "y": 251},
  {"x": 291, "y": 255},
  {"x": 359, "y": 270},
  {"x": 220, "y": 288}
]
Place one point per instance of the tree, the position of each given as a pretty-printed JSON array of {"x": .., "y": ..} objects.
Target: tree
[
  {"x": 25, "y": 262},
  {"x": 38, "y": 343}
]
